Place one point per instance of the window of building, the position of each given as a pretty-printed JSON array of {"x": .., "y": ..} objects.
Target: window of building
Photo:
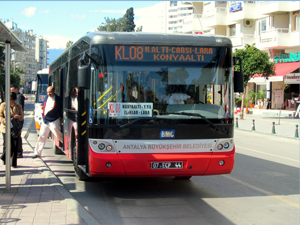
[
  {"x": 296, "y": 21},
  {"x": 232, "y": 30},
  {"x": 173, "y": 3},
  {"x": 262, "y": 26}
]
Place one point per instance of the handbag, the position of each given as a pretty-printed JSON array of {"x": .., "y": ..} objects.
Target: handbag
[{"x": 16, "y": 127}]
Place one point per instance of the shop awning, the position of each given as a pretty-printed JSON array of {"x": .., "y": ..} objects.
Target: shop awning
[{"x": 281, "y": 69}]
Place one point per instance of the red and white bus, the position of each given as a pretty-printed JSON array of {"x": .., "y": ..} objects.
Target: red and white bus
[
  {"x": 142, "y": 108},
  {"x": 39, "y": 86}
]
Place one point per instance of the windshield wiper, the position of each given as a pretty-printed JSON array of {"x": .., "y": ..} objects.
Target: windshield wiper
[
  {"x": 195, "y": 114},
  {"x": 132, "y": 122}
]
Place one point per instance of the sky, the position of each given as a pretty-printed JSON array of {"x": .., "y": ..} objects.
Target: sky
[{"x": 61, "y": 21}]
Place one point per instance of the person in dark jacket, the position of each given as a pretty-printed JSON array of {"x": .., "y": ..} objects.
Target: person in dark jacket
[
  {"x": 20, "y": 99},
  {"x": 52, "y": 112}
]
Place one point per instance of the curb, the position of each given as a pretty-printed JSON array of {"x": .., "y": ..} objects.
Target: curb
[
  {"x": 82, "y": 212},
  {"x": 274, "y": 135}
]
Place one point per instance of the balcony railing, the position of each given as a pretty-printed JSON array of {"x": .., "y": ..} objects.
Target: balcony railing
[
  {"x": 242, "y": 40},
  {"x": 272, "y": 35},
  {"x": 213, "y": 12}
]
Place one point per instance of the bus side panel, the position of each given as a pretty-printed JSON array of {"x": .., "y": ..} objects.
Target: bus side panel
[
  {"x": 215, "y": 168},
  {"x": 97, "y": 165}
]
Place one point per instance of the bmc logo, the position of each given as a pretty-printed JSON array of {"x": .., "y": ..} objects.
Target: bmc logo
[{"x": 167, "y": 134}]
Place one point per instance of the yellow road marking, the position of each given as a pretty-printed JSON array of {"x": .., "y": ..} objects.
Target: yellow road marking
[{"x": 264, "y": 191}]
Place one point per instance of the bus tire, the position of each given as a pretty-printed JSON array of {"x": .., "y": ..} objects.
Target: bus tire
[
  {"x": 78, "y": 172},
  {"x": 183, "y": 178}
]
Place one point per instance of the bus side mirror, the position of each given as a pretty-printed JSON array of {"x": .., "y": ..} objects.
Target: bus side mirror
[
  {"x": 238, "y": 76},
  {"x": 84, "y": 74},
  {"x": 238, "y": 81}
]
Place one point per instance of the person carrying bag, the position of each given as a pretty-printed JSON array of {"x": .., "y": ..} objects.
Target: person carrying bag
[
  {"x": 16, "y": 128},
  {"x": 16, "y": 113}
]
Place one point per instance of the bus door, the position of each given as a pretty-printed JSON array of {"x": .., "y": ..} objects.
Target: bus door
[
  {"x": 58, "y": 80},
  {"x": 62, "y": 91}
]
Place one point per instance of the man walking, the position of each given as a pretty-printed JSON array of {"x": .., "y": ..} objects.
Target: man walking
[
  {"x": 52, "y": 111},
  {"x": 20, "y": 99}
]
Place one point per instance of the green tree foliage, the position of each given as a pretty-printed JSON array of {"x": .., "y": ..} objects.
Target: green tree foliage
[
  {"x": 111, "y": 25},
  {"x": 124, "y": 24},
  {"x": 139, "y": 29},
  {"x": 2, "y": 59},
  {"x": 127, "y": 22},
  {"x": 14, "y": 73},
  {"x": 69, "y": 43},
  {"x": 254, "y": 61}
]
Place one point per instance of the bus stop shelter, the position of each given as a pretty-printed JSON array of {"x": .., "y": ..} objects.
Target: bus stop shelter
[{"x": 10, "y": 41}]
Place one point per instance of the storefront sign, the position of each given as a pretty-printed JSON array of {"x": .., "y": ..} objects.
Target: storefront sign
[
  {"x": 292, "y": 78},
  {"x": 236, "y": 7},
  {"x": 278, "y": 96},
  {"x": 287, "y": 57}
]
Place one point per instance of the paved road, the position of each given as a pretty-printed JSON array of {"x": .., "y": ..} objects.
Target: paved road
[{"x": 262, "y": 189}]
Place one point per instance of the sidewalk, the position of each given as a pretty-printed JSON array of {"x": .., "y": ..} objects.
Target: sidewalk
[
  {"x": 36, "y": 195},
  {"x": 283, "y": 126}
]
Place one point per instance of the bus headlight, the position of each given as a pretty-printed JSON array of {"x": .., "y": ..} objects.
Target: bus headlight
[
  {"x": 108, "y": 148},
  {"x": 220, "y": 147},
  {"x": 226, "y": 145},
  {"x": 101, "y": 146}
]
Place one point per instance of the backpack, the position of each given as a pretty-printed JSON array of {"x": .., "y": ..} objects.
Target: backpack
[{"x": 16, "y": 127}]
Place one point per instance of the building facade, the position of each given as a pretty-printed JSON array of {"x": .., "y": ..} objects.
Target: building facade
[
  {"x": 272, "y": 25},
  {"x": 35, "y": 56},
  {"x": 41, "y": 46}
]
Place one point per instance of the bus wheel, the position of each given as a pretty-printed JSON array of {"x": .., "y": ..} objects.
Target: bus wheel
[
  {"x": 79, "y": 173},
  {"x": 183, "y": 178}
]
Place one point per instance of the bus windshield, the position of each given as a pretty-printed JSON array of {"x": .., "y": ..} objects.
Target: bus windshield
[
  {"x": 42, "y": 84},
  {"x": 168, "y": 83}
]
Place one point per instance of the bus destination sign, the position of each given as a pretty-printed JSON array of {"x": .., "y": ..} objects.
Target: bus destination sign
[
  {"x": 163, "y": 53},
  {"x": 130, "y": 109}
]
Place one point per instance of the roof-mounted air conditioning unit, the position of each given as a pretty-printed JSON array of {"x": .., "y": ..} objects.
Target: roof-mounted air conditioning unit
[{"x": 248, "y": 23}]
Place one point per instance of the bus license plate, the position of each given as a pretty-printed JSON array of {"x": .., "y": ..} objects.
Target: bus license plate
[{"x": 166, "y": 165}]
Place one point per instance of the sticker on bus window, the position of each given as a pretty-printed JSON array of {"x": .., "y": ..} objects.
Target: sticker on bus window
[
  {"x": 42, "y": 98},
  {"x": 91, "y": 110},
  {"x": 130, "y": 109},
  {"x": 91, "y": 119}
]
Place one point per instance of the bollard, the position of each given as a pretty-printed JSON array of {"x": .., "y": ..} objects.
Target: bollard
[
  {"x": 253, "y": 125},
  {"x": 273, "y": 128},
  {"x": 296, "y": 132},
  {"x": 236, "y": 123}
]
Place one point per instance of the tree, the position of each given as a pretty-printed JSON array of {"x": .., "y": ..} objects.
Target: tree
[
  {"x": 2, "y": 59},
  {"x": 14, "y": 79},
  {"x": 139, "y": 29},
  {"x": 124, "y": 24},
  {"x": 111, "y": 25},
  {"x": 69, "y": 43},
  {"x": 127, "y": 22},
  {"x": 254, "y": 61}
]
